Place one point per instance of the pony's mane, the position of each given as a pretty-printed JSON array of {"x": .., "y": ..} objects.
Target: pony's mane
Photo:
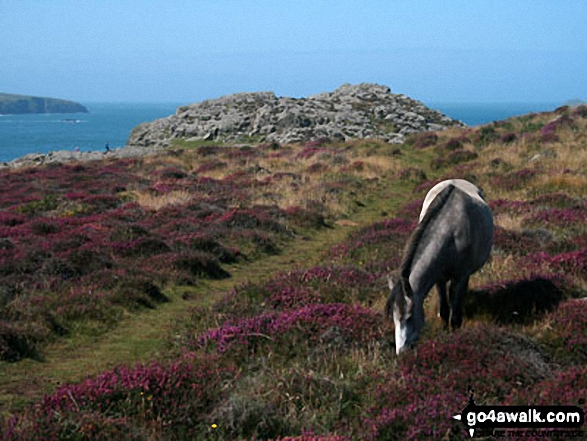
[{"x": 433, "y": 210}]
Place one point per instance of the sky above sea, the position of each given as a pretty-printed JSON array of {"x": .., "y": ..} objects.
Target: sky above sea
[{"x": 477, "y": 51}]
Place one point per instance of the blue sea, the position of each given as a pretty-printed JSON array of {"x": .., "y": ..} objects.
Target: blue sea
[
  {"x": 112, "y": 123},
  {"x": 474, "y": 114},
  {"x": 105, "y": 123}
]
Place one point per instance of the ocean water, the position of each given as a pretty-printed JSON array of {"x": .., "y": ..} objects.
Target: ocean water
[
  {"x": 105, "y": 122},
  {"x": 474, "y": 114},
  {"x": 113, "y": 122}
]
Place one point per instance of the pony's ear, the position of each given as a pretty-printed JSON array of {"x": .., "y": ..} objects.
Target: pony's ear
[
  {"x": 406, "y": 288},
  {"x": 390, "y": 281}
]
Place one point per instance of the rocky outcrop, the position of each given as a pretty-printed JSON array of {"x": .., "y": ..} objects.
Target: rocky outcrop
[
  {"x": 18, "y": 104},
  {"x": 350, "y": 112},
  {"x": 65, "y": 156}
]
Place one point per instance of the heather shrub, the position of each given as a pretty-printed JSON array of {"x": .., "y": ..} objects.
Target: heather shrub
[
  {"x": 304, "y": 218},
  {"x": 11, "y": 219},
  {"x": 570, "y": 263},
  {"x": 508, "y": 206},
  {"x": 198, "y": 264},
  {"x": 562, "y": 333},
  {"x": 88, "y": 260},
  {"x": 137, "y": 290},
  {"x": 209, "y": 244},
  {"x": 485, "y": 135},
  {"x": 516, "y": 243},
  {"x": 318, "y": 167},
  {"x": 211, "y": 166},
  {"x": 43, "y": 227},
  {"x": 412, "y": 174},
  {"x": 580, "y": 111},
  {"x": 418, "y": 399},
  {"x": 455, "y": 157},
  {"x": 316, "y": 143},
  {"x": 19, "y": 339},
  {"x": 143, "y": 246},
  {"x": 549, "y": 134},
  {"x": 8, "y": 291},
  {"x": 411, "y": 210},
  {"x": 557, "y": 200},
  {"x": 60, "y": 268},
  {"x": 560, "y": 217},
  {"x": 332, "y": 284},
  {"x": 128, "y": 232},
  {"x": 312, "y": 150},
  {"x": 294, "y": 332},
  {"x": 249, "y": 219},
  {"x": 172, "y": 399},
  {"x": 422, "y": 140},
  {"x": 262, "y": 243},
  {"x": 514, "y": 180},
  {"x": 83, "y": 310},
  {"x": 376, "y": 246},
  {"x": 173, "y": 173},
  {"x": 455, "y": 143},
  {"x": 298, "y": 288},
  {"x": 563, "y": 388},
  {"x": 508, "y": 138}
]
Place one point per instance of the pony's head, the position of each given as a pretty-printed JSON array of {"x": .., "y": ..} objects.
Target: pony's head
[{"x": 400, "y": 308}]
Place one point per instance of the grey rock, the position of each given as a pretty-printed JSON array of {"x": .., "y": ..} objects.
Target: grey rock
[
  {"x": 351, "y": 111},
  {"x": 62, "y": 156}
]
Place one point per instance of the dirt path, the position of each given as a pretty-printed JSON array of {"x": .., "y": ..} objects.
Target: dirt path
[{"x": 143, "y": 336}]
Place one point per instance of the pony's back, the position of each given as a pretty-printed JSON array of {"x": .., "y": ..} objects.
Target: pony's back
[{"x": 461, "y": 184}]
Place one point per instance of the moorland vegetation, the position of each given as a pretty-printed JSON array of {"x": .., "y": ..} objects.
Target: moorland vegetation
[{"x": 299, "y": 348}]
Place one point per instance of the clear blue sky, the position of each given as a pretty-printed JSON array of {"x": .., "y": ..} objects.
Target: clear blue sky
[{"x": 188, "y": 50}]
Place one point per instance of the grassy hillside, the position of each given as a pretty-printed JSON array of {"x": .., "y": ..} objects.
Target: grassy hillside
[{"x": 256, "y": 275}]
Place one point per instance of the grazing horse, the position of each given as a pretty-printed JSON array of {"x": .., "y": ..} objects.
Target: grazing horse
[{"x": 452, "y": 241}]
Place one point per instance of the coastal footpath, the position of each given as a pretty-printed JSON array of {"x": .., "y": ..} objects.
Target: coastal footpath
[
  {"x": 350, "y": 112},
  {"x": 22, "y": 104}
]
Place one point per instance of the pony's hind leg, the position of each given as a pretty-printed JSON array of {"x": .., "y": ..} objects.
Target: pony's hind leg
[
  {"x": 444, "y": 308},
  {"x": 457, "y": 291}
]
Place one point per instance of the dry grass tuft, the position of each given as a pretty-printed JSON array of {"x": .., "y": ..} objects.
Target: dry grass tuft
[
  {"x": 509, "y": 221},
  {"x": 156, "y": 202},
  {"x": 567, "y": 183}
]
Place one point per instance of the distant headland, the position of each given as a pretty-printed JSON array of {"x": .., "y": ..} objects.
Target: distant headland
[{"x": 19, "y": 104}]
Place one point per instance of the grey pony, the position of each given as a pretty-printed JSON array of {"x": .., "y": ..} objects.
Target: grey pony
[{"x": 452, "y": 241}]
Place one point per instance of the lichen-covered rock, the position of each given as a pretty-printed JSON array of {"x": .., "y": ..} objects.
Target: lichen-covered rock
[{"x": 350, "y": 112}]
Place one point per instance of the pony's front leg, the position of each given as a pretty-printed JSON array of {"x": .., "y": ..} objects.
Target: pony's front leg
[
  {"x": 444, "y": 308},
  {"x": 457, "y": 291}
]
